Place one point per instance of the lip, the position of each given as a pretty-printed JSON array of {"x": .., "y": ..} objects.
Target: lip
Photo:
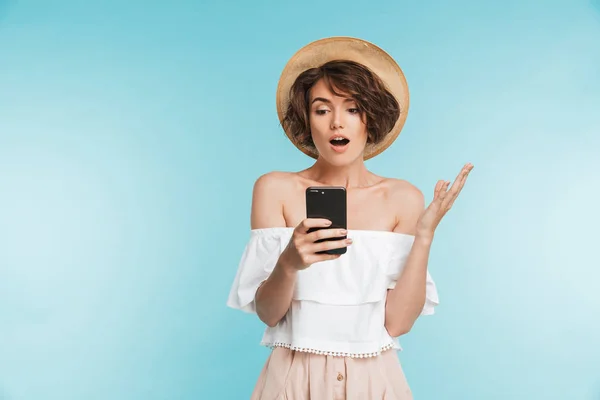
[
  {"x": 338, "y": 135},
  {"x": 339, "y": 149}
]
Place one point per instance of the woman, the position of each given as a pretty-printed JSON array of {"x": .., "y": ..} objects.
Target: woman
[{"x": 333, "y": 320}]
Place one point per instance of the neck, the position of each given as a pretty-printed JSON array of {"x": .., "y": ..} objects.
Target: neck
[{"x": 354, "y": 175}]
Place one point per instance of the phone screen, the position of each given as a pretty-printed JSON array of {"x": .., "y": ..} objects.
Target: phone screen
[{"x": 329, "y": 203}]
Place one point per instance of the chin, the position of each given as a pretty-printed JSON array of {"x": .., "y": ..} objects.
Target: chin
[{"x": 340, "y": 160}]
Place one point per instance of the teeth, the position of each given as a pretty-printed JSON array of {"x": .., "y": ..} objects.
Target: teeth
[{"x": 338, "y": 138}]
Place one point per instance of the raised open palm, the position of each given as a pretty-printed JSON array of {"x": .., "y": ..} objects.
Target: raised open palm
[{"x": 443, "y": 199}]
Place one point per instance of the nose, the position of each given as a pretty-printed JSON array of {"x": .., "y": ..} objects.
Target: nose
[{"x": 336, "y": 122}]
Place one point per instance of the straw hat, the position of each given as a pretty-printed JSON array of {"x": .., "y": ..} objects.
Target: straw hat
[{"x": 346, "y": 48}]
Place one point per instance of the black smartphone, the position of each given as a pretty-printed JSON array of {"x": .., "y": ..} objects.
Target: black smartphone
[{"x": 328, "y": 202}]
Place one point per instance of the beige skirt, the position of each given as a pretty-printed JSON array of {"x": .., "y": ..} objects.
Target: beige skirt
[{"x": 295, "y": 375}]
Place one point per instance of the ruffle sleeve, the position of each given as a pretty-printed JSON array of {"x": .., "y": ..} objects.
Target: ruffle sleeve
[
  {"x": 396, "y": 266},
  {"x": 257, "y": 262},
  {"x": 431, "y": 295}
]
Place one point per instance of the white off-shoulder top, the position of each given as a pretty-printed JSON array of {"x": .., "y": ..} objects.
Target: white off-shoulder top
[{"x": 338, "y": 306}]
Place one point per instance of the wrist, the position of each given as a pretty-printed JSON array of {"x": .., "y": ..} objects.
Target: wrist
[
  {"x": 424, "y": 238},
  {"x": 286, "y": 266}
]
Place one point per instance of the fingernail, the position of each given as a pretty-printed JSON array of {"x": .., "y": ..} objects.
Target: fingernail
[
  {"x": 348, "y": 240},
  {"x": 343, "y": 231}
]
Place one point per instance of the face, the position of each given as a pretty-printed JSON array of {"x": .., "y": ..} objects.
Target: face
[{"x": 337, "y": 127}]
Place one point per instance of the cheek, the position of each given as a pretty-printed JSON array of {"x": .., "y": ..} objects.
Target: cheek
[
  {"x": 360, "y": 129},
  {"x": 319, "y": 129}
]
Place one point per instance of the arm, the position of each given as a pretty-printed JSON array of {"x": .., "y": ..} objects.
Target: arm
[
  {"x": 274, "y": 296},
  {"x": 405, "y": 302}
]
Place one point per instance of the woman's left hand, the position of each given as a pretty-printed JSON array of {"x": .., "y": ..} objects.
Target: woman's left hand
[{"x": 441, "y": 203}]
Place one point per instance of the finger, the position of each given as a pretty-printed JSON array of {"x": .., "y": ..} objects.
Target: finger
[
  {"x": 443, "y": 191},
  {"x": 464, "y": 178},
  {"x": 438, "y": 188},
  {"x": 309, "y": 223},
  {"x": 450, "y": 202},
  {"x": 454, "y": 196},
  {"x": 325, "y": 234},
  {"x": 457, "y": 186},
  {"x": 330, "y": 245},
  {"x": 460, "y": 178}
]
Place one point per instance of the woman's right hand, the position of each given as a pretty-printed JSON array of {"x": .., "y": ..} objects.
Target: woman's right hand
[{"x": 301, "y": 251}]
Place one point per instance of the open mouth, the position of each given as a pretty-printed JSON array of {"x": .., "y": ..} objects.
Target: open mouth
[{"x": 339, "y": 141}]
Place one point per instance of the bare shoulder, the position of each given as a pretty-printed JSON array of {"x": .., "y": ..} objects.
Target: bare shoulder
[
  {"x": 268, "y": 196},
  {"x": 404, "y": 191},
  {"x": 408, "y": 203},
  {"x": 274, "y": 180}
]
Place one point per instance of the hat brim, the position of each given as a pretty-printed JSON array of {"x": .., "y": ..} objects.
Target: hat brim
[{"x": 377, "y": 60}]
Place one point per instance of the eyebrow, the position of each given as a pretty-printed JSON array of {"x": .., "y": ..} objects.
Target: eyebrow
[{"x": 324, "y": 100}]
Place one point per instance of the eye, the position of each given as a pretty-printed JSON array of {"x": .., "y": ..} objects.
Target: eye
[
  {"x": 321, "y": 112},
  {"x": 354, "y": 110}
]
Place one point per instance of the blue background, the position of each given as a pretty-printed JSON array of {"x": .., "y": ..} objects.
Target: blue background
[{"x": 131, "y": 134}]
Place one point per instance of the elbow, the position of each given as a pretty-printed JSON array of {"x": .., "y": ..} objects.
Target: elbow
[
  {"x": 267, "y": 320},
  {"x": 398, "y": 329},
  {"x": 400, "y": 322},
  {"x": 263, "y": 313},
  {"x": 271, "y": 323}
]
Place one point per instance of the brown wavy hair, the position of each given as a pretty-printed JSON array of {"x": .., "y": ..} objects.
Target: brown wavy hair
[{"x": 344, "y": 78}]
